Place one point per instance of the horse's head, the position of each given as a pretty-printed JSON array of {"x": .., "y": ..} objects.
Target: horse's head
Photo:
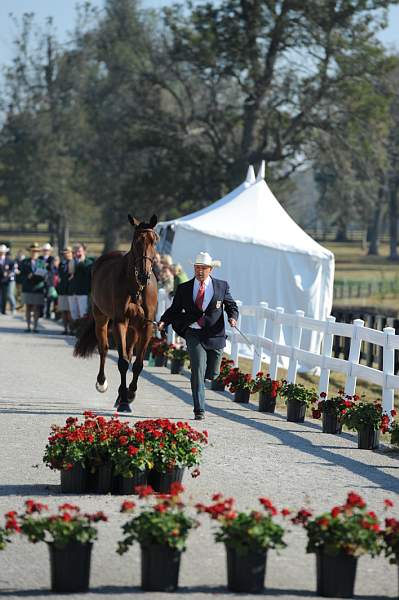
[{"x": 143, "y": 247}]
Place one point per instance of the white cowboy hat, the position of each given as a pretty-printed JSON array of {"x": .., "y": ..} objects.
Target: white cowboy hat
[
  {"x": 3, "y": 248},
  {"x": 47, "y": 246},
  {"x": 205, "y": 259}
]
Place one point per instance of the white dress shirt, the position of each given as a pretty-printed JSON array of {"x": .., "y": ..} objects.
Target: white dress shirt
[{"x": 207, "y": 297}]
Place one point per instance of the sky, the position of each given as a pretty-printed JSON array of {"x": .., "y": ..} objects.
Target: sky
[{"x": 63, "y": 13}]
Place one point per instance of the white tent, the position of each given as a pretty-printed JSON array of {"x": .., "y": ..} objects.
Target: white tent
[{"x": 265, "y": 255}]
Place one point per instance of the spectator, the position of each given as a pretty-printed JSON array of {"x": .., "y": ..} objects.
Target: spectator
[
  {"x": 156, "y": 266},
  {"x": 179, "y": 276},
  {"x": 64, "y": 278},
  {"x": 33, "y": 273},
  {"x": 166, "y": 260},
  {"x": 50, "y": 294},
  {"x": 166, "y": 280},
  {"x": 80, "y": 283},
  {"x": 8, "y": 270}
]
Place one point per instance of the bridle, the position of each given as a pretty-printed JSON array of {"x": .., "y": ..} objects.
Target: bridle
[{"x": 141, "y": 279}]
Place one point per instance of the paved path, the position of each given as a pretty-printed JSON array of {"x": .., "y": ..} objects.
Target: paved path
[{"x": 250, "y": 455}]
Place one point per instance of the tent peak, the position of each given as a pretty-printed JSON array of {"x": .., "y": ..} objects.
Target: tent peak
[
  {"x": 262, "y": 171},
  {"x": 250, "y": 178}
]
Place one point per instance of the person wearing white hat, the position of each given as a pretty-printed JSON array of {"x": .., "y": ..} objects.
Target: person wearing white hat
[
  {"x": 197, "y": 315},
  {"x": 8, "y": 270}
]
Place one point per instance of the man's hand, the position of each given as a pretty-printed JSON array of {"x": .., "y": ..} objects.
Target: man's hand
[
  {"x": 232, "y": 322},
  {"x": 161, "y": 326}
]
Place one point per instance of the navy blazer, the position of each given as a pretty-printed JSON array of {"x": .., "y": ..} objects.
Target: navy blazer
[{"x": 183, "y": 312}]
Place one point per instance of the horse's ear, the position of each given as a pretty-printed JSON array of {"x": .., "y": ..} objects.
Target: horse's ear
[
  {"x": 153, "y": 221},
  {"x": 133, "y": 221}
]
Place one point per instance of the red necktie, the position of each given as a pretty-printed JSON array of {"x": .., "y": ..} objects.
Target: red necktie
[{"x": 199, "y": 302}]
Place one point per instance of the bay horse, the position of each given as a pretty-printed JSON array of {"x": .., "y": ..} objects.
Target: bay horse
[{"x": 124, "y": 291}]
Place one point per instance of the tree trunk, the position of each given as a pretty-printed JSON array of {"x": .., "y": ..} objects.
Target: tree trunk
[
  {"x": 393, "y": 219},
  {"x": 341, "y": 235},
  {"x": 375, "y": 226},
  {"x": 62, "y": 234},
  {"x": 111, "y": 239}
]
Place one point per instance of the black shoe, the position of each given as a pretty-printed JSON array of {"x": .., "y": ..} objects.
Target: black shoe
[
  {"x": 199, "y": 417},
  {"x": 27, "y": 330}
]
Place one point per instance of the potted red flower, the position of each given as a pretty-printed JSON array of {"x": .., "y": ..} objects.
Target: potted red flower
[
  {"x": 70, "y": 535},
  {"x": 159, "y": 351},
  {"x": 268, "y": 389},
  {"x": 390, "y": 536},
  {"x": 81, "y": 452},
  {"x": 173, "y": 447},
  {"x": 11, "y": 526},
  {"x": 394, "y": 430},
  {"x": 338, "y": 538},
  {"x": 161, "y": 527},
  {"x": 298, "y": 399},
  {"x": 178, "y": 356},
  {"x": 331, "y": 410},
  {"x": 240, "y": 384},
  {"x": 247, "y": 537},
  {"x": 131, "y": 460},
  {"x": 368, "y": 419},
  {"x": 218, "y": 384}
]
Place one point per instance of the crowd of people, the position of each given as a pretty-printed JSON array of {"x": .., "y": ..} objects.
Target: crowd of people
[
  {"x": 46, "y": 285},
  {"x": 58, "y": 287}
]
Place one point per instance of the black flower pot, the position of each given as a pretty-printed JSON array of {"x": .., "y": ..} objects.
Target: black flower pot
[
  {"x": 267, "y": 404},
  {"x": 246, "y": 573},
  {"x": 296, "y": 411},
  {"x": 176, "y": 366},
  {"x": 100, "y": 480},
  {"x": 160, "y": 361},
  {"x": 217, "y": 386},
  {"x": 70, "y": 567},
  {"x": 161, "y": 482},
  {"x": 74, "y": 481},
  {"x": 127, "y": 485},
  {"x": 368, "y": 438},
  {"x": 331, "y": 423},
  {"x": 242, "y": 396},
  {"x": 159, "y": 568},
  {"x": 336, "y": 575}
]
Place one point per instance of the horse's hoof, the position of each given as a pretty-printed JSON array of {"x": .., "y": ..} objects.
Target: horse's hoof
[
  {"x": 124, "y": 407},
  {"x": 117, "y": 402},
  {"x": 131, "y": 396},
  {"x": 102, "y": 387}
]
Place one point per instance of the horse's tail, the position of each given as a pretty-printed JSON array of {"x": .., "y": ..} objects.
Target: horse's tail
[{"x": 86, "y": 342}]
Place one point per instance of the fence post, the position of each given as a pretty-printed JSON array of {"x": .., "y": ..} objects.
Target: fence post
[
  {"x": 260, "y": 331},
  {"x": 234, "y": 343},
  {"x": 354, "y": 355},
  {"x": 389, "y": 369},
  {"x": 296, "y": 343},
  {"x": 276, "y": 334},
  {"x": 326, "y": 352}
]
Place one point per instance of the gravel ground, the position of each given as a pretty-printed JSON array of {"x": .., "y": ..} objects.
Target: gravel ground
[{"x": 250, "y": 455}]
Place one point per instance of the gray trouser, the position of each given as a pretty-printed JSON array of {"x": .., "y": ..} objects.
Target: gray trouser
[{"x": 204, "y": 364}]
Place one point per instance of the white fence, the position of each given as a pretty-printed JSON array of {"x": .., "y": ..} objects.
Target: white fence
[
  {"x": 274, "y": 347},
  {"x": 357, "y": 333}
]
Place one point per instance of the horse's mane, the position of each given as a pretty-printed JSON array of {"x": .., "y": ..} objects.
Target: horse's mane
[{"x": 104, "y": 257}]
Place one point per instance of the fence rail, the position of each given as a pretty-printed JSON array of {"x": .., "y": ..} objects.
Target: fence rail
[{"x": 364, "y": 289}]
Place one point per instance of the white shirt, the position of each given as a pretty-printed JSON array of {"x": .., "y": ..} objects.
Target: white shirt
[{"x": 207, "y": 297}]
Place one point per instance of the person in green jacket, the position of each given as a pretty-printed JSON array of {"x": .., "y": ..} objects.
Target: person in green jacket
[
  {"x": 179, "y": 276},
  {"x": 80, "y": 283},
  {"x": 33, "y": 272}
]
